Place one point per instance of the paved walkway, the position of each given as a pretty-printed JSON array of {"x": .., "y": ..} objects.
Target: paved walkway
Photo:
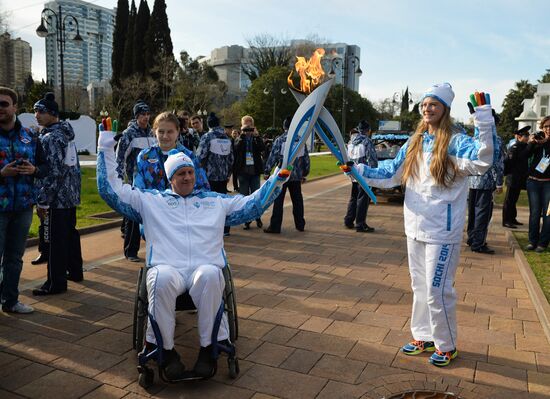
[{"x": 322, "y": 315}]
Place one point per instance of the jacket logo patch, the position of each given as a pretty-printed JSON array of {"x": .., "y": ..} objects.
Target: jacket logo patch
[
  {"x": 208, "y": 204},
  {"x": 172, "y": 202},
  {"x": 25, "y": 140},
  {"x": 152, "y": 160},
  {"x": 197, "y": 204}
]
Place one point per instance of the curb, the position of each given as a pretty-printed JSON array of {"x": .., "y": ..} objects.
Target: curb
[{"x": 542, "y": 307}]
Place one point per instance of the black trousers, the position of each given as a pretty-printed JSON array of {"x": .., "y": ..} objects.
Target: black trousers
[
  {"x": 65, "y": 252},
  {"x": 219, "y": 187},
  {"x": 44, "y": 236},
  {"x": 480, "y": 210},
  {"x": 358, "y": 206},
  {"x": 509, "y": 210},
  {"x": 131, "y": 238},
  {"x": 295, "y": 189}
]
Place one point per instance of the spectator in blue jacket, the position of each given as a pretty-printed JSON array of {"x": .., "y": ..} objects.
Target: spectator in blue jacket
[
  {"x": 294, "y": 184},
  {"x": 135, "y": 138},
  {"x": 361, "y": 151},
  {"x": 480, "y": 201},
  {"x": 21, "y": 161},
  {"x": 58, "y": 197}
]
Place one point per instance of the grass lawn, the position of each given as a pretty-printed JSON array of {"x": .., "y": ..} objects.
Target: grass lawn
[
  {"x": 91, "y": 203},
  {"x": 323, "y": 165},
  {"x": 540, "y": 264}
]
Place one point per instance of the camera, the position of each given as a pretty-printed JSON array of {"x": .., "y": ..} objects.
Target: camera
[
  {"x": 19, "y": 162},
  {"x": 247, "y": 129},
  {"x": 538, "y": 135}
]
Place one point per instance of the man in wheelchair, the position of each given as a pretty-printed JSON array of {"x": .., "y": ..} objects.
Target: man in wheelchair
[{"x": 184, "y": 230}]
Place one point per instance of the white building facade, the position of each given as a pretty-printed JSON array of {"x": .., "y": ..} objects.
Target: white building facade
[{"x": 536, "y": 108}]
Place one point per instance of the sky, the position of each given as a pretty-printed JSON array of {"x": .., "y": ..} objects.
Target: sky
[{"x": 474, "y": 45}]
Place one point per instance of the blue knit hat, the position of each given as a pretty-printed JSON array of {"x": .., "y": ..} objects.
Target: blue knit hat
[
  {"x": 140, "y": 108},
  {"x": 442, "y": 92},
  {"x": 175, "y": 161},
  {"x": 47, "y": 105}
]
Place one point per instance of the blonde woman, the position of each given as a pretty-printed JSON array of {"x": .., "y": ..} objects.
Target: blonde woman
[{"x": 434, "y": 164}]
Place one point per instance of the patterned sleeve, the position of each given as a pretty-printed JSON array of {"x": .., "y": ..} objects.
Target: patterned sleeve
[
  {"x": 370, "y": 151},
  {"x": 122, "y": 148},
  {"x": 273, "y": 156},
  {"x": 202, "y": 151},
  {"x": 55, "y": 149},
  {"x": 307, "y": 162},
  {"x": 139, "y": 174},
  {"x": 499, "y": 165},
  {"x": 388, "y": 172}
]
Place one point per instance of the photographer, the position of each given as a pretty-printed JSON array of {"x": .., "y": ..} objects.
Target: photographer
[{"x": 538, "y": 187}]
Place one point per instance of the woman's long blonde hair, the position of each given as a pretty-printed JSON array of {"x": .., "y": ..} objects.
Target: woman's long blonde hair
[{"x": 442, "y": 168}]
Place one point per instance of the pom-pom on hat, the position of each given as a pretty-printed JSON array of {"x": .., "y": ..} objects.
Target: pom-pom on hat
[
  {"x": 140, "y": 108},
  {"x": 442, "y": 92},
  {"x": 212, "y": 121},
  {"x": 47, "y": 104},
  {"x": 175, "y": 161}
]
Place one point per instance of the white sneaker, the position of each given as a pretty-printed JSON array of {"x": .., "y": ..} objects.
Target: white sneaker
[{"x": 19, "y": 308}]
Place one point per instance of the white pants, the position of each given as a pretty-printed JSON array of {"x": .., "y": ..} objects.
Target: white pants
[
  {"x": 205, "y": 285},
  {"x": 432, "y": 268}
]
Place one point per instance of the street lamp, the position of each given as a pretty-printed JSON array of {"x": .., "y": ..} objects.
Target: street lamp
[
  {"x": 60, "y": 31},
  {"x": 353, "y": 62},
  {"x": 273, "y": 91}
]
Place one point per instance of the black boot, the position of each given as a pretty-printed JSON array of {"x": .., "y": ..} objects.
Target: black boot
[
  {"x": 172, "y": 366},
  {"x": 206, "y": 365}
]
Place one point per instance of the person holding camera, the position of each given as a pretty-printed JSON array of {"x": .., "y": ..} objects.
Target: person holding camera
[
  {"x": 538, "y": 187},
  {"x": 248, "y": 161}
]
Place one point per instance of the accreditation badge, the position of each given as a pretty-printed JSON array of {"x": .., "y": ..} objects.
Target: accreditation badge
[
  {"x": 249, "y": 159},
  {"x": 543, "y": 164}
]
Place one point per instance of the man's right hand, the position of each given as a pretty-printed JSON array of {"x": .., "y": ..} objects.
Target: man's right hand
[
  {"x": 266, "y": 177},
  {"x": 9, "y": 170}
]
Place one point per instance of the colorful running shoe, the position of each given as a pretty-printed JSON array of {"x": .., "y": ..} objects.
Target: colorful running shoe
[
  {"x": 442, "y": 359},
  {"x": 417, "y": 347}
]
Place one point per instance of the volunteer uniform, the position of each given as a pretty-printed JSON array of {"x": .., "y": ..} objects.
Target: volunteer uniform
[{"x": 434, "y": 220}]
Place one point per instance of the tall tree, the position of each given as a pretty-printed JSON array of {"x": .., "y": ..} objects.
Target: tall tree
[
  {"x": 119, "y": 40},
  {"x": 128, "y": 61},
  {"x": 405, "y": 101},
  {"x": 140, "y": 30},
  {"x": 512, "y": 107},
  {"x": 266, "y": 51},
  {"x": 545, "y": 78},
  {"x": 158, "y": 43}
]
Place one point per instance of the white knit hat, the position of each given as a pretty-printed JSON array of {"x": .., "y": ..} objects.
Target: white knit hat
[
  {"x": 175, "y": 161},
  {"x": 442, "y": 92}
]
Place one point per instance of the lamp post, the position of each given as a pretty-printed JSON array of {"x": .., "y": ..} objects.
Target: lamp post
[
  {"x": 273, "y": 91},
  {"x": 350, "y": 61},
  {"x": 60, "y": 32}
]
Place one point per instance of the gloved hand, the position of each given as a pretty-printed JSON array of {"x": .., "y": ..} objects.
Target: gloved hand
[
  {"x": 480, "y": 107},
  {"x": 282, "y": 175},
  {"x": 107, "y": 132},
  {"x": 346, "y": 168}
]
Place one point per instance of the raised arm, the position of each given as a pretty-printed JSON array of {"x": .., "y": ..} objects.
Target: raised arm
[
  {"x": 118, "y": 195},
  {"x": 388, "y": 173}
]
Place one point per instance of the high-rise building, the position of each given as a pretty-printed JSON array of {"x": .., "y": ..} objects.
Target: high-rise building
[
  {"x": 15, "y": 62},
  {"x": 86, "y": 61}
]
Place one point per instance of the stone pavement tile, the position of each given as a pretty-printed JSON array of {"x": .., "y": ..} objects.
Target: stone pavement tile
[
  {"x": 316, "y": 324},
  {"x": 357, "y": 331},
  {"x": 41, "y": 349},
  {"x": 280, "y": 316},
  {"x": 373, "y": 353},
  {"x": 301, "y": 361},
  {"x": 9, "y": 395},
  {"x": 120, "y": 375},
  {"x": 339, "y": 390},
  {"x": 490, "y": 309},
  {"x": 245, "y": 346},
  {"x": 308, "y": 307},
  {"x": 108, "y": 340},
  {"x": 86, "y": 362},
  {"x": 333, "y": 345},
  {"x": 481, "y": 289},
  {"x": 6, "y": 358},
  {"x": 538, "y": 382},
  {"x": 106, "y": 392},
  {"x": 490, "y": 300},
  {"x": 506, "y": 356},
  {"x": 472, "y": 319},
  {"x": 345, "y": 314},
  {"x": 485, "y": 336},
  {"x": 58, "y": 384},
  {"x": 525, "y": 314},
  {"x": 296, "y": 293},
  {"x": 283, "y": 383},
  {"x": 460, "y": 368},
  {"x": 17, "y": 363},
  {"x": 89, "y": 313},
  {"x": 245, "y": 311},
  {"x": 373, "y": 372},
  {"x": 398, "y": 309},
  {"x": 253, "y": 329},
  {"x": 280, "y": 335},
  {"x": 23, "y": 376},
  {"x": 525, "y": 304},
  {"x": 270, "y": 354},
  {"x": 264, "y": 300},
  {"x": 532, "y": 328},
  {"x": 263, "y": 396},
  {"x": 54, "y": 305},
  {"x": 9, "y": 335},
  {"x": 118, "y": 321},
  {"x": 380, "y": 320},
  {"x": 338, "y": 369},
  {"x": 533, "y": 343},
  {"x": 397, "y": 338},
  {"x": 518, "y": 293},
  {"x": 331, "y": 299},
  {"x": 504, "y": 324},
  {"x": 472, "y": 350},
  {"x": 543, "y": 362},
  {"x": 501, "y": 376},
  {"x": 499, "y": 283},
  {"x": 202, "y": 390}
]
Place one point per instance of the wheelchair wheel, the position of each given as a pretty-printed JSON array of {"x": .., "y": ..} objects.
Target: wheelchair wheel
[
  {"x": 140, "y": 312},
  {"x": 231, "y": 304}
]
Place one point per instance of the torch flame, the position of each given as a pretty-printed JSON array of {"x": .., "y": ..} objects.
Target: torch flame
[{"x": 310, "y": 71}]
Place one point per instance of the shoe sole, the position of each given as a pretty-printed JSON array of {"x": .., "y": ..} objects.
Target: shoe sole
[{"x": 430, "y": 349}]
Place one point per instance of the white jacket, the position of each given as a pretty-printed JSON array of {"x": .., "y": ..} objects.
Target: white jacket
[
  {"x": 183, "y": 232},
  {"x": 436, "y": 214}
]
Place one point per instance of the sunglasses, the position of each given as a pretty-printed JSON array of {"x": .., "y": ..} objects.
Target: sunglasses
[{"x": 5, "y": 104}]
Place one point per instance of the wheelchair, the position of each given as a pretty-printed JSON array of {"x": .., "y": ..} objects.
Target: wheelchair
[{"x": 183, "y": 303}]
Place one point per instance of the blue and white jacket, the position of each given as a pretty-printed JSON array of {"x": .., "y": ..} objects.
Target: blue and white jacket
[
  {"x": 133, "y": 140},
  {"x": 361, "y": 150},
  {"x": 301, "y": 164},
  {"x": 436, "y": 214},
  {"x": 150, "y": 173},
  {"x": 494, "y": 177},
  {"x": 184, "y": 232},
  {"x": 215, "y": 153}
]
